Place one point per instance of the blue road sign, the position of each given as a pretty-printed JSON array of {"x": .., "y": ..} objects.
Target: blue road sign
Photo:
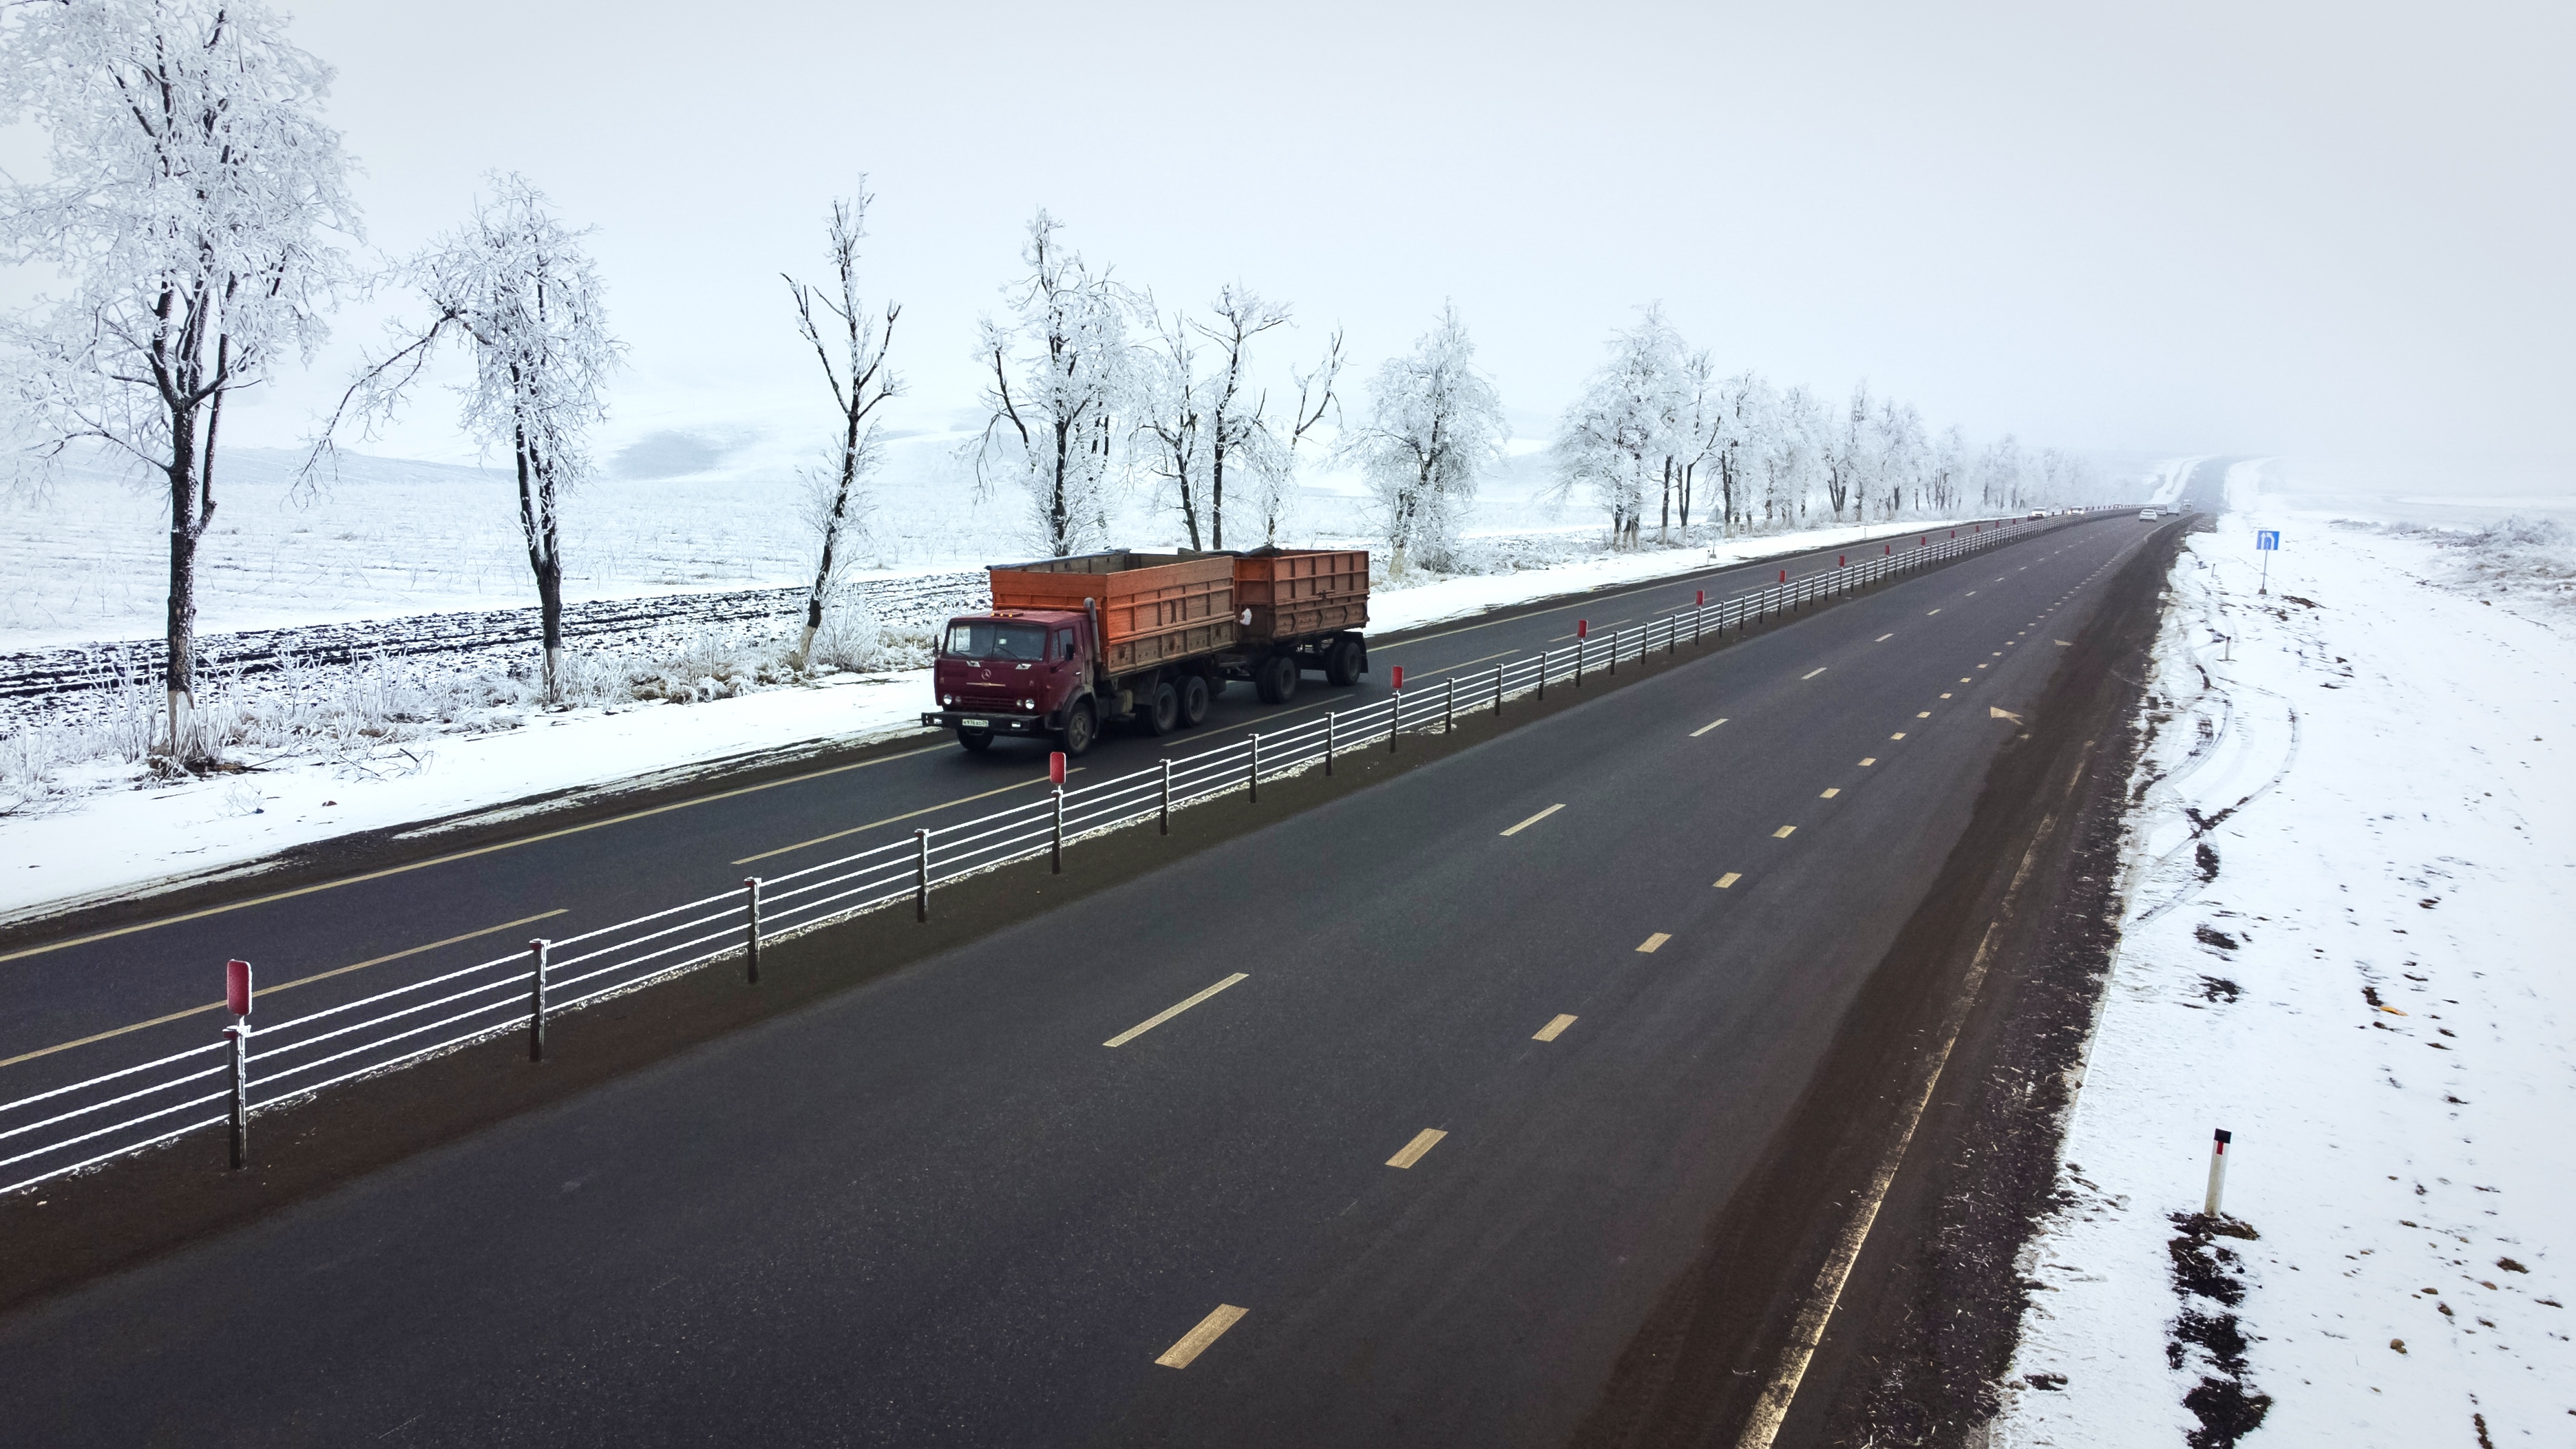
[{"x": 2267, "y": 539}]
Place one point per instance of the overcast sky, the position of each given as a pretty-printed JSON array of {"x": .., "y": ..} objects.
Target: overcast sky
[{"x": 2339, "y": 232}]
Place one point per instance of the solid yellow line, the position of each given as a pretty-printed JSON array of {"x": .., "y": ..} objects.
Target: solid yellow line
[
  {"x": 1727, "y": 881},
  {"x": 1553, "y": 1029},
  {"x": 1704, "y": 729},
  {"x": 907, "y": 815},
  {"x": 1167, "y": 1013},
  {"x": 1195, "y": 1342},
  {"x": 1784, "y": 832},
  {"x": 283, "y": 986},
  {"x": 1533, "y": 820},
  {"x": 1423, "y": 1141},
  {"x": 1655, "y": 940},
  {"x": 394, "y": 870}
]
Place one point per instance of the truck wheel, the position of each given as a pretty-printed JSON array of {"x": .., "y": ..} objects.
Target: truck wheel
[
  {"x": 1275, "y": 679},
  {"x": 976, "y": 741},
  {"x": 1194, "y": 700},
  {"x": 1342, "y": 664},
  {"x": 1081, "y": 723},
  {"x": 1162, "y": 712}
]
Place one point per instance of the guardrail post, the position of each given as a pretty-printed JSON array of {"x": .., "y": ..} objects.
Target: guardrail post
[
  {"x": 751, "y": 931},
  {"x": 1167, "y": 795},
  {"x": 1580, "y": 645},
  {"x": 1394, "y": 719},
  {"x": 239, "y": 1034},
  {"x": 1252, "y": 776},
  {"x": 921, "y": 876},
  {"x": 1448, "y": 704},
  {"x": 1332, "y": 736},
  {"x": 1055, "y": 861},
  {"x": 538, "y": 950},
  {"x": 1542, "y": 673},
  {"x": 1699, "y": 613},
  {"x": 1498, "y": 691}
]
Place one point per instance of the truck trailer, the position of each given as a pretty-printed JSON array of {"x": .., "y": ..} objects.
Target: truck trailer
[{"x": 1073, "y": 644}]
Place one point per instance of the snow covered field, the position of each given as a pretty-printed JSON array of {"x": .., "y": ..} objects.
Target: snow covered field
[
  {"x": 106, "y": 828},
  {"x": 2352, "y": 887}
]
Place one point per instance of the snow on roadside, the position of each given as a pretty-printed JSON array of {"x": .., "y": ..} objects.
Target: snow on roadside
[
  {"x": 2352, "y": 881},
  {"x": 105, "y": 840}
]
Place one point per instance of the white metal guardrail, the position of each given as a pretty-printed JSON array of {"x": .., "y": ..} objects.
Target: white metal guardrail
[{"x": 82, "y": 1124}]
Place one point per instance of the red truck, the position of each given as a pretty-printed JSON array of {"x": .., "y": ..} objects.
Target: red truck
[{"x": 1071, "y": 644}]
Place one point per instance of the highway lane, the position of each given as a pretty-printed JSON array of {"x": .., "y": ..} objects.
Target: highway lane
[
  {"x": 154, "y": 988},
  {"x": 937, "y": 1210}
]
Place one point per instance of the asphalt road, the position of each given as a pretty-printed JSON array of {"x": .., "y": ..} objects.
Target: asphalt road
[
  {"x": 73, "y": 1004},
  {"x": 939, "y": 1210}
]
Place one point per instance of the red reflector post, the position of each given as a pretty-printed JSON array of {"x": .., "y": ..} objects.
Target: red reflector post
[
  {"x": 1399, "y": 677},
  {"x": 1055, "y": 766},
  {"x": 237, "y": 987}
]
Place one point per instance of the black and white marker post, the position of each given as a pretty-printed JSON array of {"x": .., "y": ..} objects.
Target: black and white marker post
[{"x": 2217, "y": 1171}]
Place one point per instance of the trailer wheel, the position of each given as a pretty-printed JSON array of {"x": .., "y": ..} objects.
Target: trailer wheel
[
  {"x": 1342, "y": 662},
  {"x": 1194, "y": 700},
  {"x": 1162, "y": 712},
  {"x": 1081, "y": 724},
  {"x": 976, "y": 741},
  {"x": 1275, "y": 679}
]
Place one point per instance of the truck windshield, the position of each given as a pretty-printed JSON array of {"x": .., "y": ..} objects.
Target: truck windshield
[{"x": 996, "y": 639}]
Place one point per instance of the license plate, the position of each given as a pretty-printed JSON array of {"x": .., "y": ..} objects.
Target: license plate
[{"x": 975, "y": 724}]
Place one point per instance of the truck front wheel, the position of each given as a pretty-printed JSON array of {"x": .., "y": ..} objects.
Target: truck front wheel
[
  {"x": 1081, "y": 724},
  {"x": 976, "y": 741}
]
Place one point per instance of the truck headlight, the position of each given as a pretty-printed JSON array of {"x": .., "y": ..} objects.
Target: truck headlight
[{"x": 947, "y": 699}]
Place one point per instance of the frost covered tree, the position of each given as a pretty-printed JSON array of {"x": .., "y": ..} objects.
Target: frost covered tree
[
  {"x": 1234, "y": 409},
  {"x": 516, "y": 288},
  {"x": 1061, "y": 372},
  {"x": 850, "y": 342},
  {"x": 1999, "y": 474},
  {"x": 1274, "y": 448},
  {"x": 1898, "y": 452},
  {"x": 1847, "y": 456},
  {"x": 1434, "y": 425},
  {"x": 1742, "y": 405},
  {"x": 188, "y": 210},
  {"x": 1170, "y": 396},
  {"x": 1618, "y": 439}
]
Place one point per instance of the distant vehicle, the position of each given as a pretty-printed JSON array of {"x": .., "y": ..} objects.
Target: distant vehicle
[
  {"x": 2039, "y": 513},
  {"x": 1074, "y": 643},
  {"x": 2147, "y": 512}
]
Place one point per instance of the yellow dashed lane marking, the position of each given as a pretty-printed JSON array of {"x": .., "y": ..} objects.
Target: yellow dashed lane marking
[
  {"x": 1423, "y": 1141},
  {"x": 1869, "y": 761},
  {"x": 1784, "y": 832},
  {"x": 1553, "y": 1029},
  {"x": 1830, "y": 792},
  {"x": 1167, "y": 1013},
  {"x": 1533, "y": 820},
  {"x": 1196, "y": 1341},
  {"x": 1654, "y": 941},
  {"x": 1704, "y": 729},
  {"x": 1727, "y": 881}
]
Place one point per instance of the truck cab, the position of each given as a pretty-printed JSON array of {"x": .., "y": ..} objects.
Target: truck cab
[{"x": 1010, "y": 672}]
